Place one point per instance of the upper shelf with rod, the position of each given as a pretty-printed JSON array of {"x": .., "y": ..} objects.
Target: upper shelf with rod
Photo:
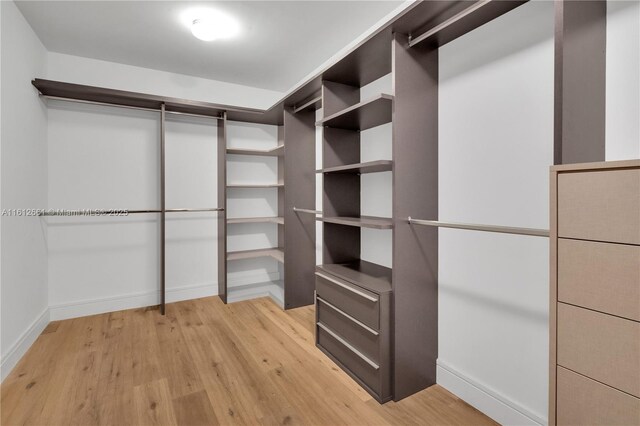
[{"x": 59, "y": 90}]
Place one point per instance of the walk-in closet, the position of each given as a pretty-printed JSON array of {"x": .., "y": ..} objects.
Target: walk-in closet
[{"x": 320, "y": 213}]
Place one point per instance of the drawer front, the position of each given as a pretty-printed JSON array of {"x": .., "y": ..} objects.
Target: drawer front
[
  {"x": 600, "y": 276},
  {"x": 358, "y": 334},
  {"x": 367, "y": 373},
  {"x": 603, "y": 206},
  {"x": 361, "y": 304},
  {"x": 600, "y": 346},
  {"x": 582, "y": 401}
]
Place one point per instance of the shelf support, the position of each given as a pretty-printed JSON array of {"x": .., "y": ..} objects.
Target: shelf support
[{"x": 162, "y": 211}]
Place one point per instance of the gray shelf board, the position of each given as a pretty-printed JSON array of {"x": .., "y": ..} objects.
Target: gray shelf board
[
  {"x": 275, "y": 152},
  {"x": 256, "y": 185},
  {"x": 271, "y": 219},
  {"x": 361, "y": 222},
  {"x": 370, "y": 276},
  {"x": 368, "y": 167},
  {"x": 363, "y": 115},
  {"x": 276, "y": 253}
]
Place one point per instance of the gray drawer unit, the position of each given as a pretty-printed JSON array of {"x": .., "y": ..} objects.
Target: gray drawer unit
[
  {"x": 360, "y": 303},
  {"x": 353, "y": 328}
]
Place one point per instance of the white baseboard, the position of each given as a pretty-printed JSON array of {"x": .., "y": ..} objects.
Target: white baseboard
[
  {"x": 129, "y": 301},
  {"x": 491, "y": 403},
  {"x": 22, "y": 345}
]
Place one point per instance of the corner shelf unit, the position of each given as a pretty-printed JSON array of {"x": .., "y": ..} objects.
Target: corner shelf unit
[{"x": 288, "y": 281}]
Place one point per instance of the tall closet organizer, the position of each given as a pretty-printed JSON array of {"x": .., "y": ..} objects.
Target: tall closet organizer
[{"x": 296, "y": 165}]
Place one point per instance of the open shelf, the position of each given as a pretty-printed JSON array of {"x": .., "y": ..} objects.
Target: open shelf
[
  {"x": 368, "y": 275},
  {"x": 272, "y": 289},
  {"x": 274, "y": 152},
  {"x": 363, "y": 115},
  {"x": 256, "y": 185},
  {"x": 360, "y": 222},
  {"x": 276, "y": 253},
  {"x": 368, "y": 167},
  {"x": 275, "y": 219}
]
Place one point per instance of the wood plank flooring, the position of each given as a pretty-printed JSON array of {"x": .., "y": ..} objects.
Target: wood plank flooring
[{"x": 204, "y": 363}]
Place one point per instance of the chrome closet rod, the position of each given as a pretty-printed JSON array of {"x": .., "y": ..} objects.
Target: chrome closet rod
[
  {"x": 295, "y": 209},
  {"x": 485, "y": 228},
  {"x": 82, "y": 101},
  {"x": 452, "y": 20},
  {"x": 92, "y": 212}
]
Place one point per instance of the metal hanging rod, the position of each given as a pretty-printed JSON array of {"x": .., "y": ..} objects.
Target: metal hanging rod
[
  {"x": 485, "y": 228},
  {"x": 214, "y": 209},
  {"x": 116, "y": 212},
  {"x": 82, "y": 101},
  {"x": 297, "y": 210},
  {"x": 448, "y": 22}
]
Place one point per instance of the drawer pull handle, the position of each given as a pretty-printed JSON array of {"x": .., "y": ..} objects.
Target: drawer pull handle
[
  {"x": 352, "y": 290},
  {"x": 343, "y": 313},
  {"x": 348, "y": 346}
]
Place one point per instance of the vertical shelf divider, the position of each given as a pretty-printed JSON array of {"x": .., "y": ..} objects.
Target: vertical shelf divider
[
  {"x": 415, "y": 192},
  {"x": 299, "y": 230},
  {"x": 222, "y": 202},
  {"x": 162, "y": 212}
]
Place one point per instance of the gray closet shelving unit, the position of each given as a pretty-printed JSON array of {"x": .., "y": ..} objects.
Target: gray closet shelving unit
[{"x": 295, "y": 250}]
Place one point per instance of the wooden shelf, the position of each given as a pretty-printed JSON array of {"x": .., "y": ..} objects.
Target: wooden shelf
[
  {"x": 363, "y": 115},
  {"x": 368, "y": 167},
  {"x": 276, "y": 253},
  {"x": 276, "y": 219},
  {"x": 256, "y": 185},
  {"x": 370, "y": 276},
  {"x": 360, "y": 222},
  {"x": 274, "y": 152}
]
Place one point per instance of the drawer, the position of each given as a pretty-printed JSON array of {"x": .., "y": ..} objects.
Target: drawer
[
  {"x": 600, "y": 346},
  {"x": 603, "y": 206},
  {"x": 358, "y": 334},
  {"x": 361, "y": 304},
  {"x": 582, "y": 401},
  {"x": 356, "y": 364},
  {"x": 600, "y": 276}
]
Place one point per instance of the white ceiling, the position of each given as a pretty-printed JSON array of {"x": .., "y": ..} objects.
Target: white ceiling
[{"x": 280, "y": 43}]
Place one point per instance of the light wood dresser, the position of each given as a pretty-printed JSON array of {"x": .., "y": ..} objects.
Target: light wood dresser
[{"x": 595, "y": 294}]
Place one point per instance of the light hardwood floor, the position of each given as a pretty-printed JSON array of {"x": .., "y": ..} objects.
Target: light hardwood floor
[{"x": 203, "y": 363}]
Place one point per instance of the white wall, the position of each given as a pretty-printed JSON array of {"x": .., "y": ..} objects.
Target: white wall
[
  {"x": 24, "y": 171},
  {"x": 495, "y": 149},
  {"x": 103, "y": 157},
  {"x": 623, "y": 80},
  {"x": 93, "y": 72}
]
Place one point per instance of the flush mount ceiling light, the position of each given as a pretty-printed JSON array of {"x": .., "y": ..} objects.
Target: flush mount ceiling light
[{"x": 210, "y": 25}]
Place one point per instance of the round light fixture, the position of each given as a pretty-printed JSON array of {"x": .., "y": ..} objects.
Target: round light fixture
[{"x": 210, "y": 25}]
